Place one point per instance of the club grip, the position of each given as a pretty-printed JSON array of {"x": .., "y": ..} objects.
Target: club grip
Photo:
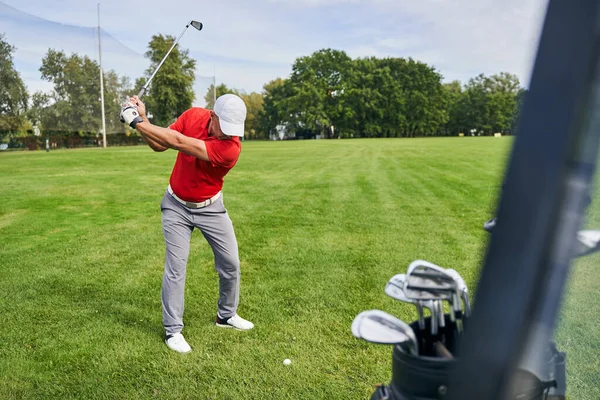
[{"x": 442, "y": 350}]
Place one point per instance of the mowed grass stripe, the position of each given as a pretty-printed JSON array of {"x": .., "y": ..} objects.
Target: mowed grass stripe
[{"x": 321, "y": 225}]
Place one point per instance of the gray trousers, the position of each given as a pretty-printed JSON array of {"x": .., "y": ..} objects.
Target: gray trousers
[{"x": 178, "y": 222}]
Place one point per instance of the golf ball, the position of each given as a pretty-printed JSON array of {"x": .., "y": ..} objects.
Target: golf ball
[{"x": 287, "y": 361}]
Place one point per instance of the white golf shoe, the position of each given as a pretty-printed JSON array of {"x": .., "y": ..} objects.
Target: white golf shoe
[
  {"x": 177, "y": 342},
  {"x": 235, "y": 322}
]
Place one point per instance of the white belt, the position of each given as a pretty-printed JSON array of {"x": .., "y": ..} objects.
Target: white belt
[{"x": 191, "y": 204}]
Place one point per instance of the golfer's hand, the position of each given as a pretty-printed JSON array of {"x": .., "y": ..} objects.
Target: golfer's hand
[
  {"x": 130, "y": 115},
  {"x": 141, "y": 107}
]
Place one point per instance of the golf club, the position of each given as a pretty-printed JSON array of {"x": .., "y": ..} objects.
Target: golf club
[
  {"x": 489, "y": 225},
  {"x": 442, "y": 351},
  {"x": 379, "y": 327},
  {"x": 588, "y": 241},
  {"x": 195, "y": 24},
  {"x": 427, "y": 281},
  {"x": 424, "y": 275},
  {"x": 463, "y": 290},
  {"x": 395, "y": 289},
  {"x": 440, "y": 313}
]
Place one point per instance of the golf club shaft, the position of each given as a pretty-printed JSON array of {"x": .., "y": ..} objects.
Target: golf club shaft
[
  {"x": 465, "y": 296},
  {"x": 421, "y": 316},
  {"x": 435, "y": 319},
  {"x": 143, "y": 90},
  {"x": 442, "y": 351},
  {"x": 442, "y": 315}
]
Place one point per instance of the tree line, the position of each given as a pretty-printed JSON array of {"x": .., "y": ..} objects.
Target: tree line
[
  {"x": 332, "y": 95},
  {"x": 327, "y": 94},
  {"x": 73, "y": 106}
]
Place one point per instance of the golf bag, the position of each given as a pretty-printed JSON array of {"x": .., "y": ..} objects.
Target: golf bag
[{"x": 426, "y": 377}]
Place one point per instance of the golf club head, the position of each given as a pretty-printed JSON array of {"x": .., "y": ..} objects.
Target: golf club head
[
  {"x": 463, "y": 290},
  {"x": 490, "y": 225},
  {"x": 434, "y": 294},
  {"x": 460, "y": 282},
  {"x": 588, "y": 242},
  {"x": 379, "y": 327},
  {"x": 395, "y": 288},
  {"x": 196, "y": 24},
  {"x": 423, "y": 276},
  {"x": 427, "y": 281},
  {"x": 421, "y": 263}
]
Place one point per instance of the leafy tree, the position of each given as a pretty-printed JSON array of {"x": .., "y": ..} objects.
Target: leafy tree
[
  {"x": 418, "y": 95},
  {"x": 74, "y": 103},
  {"x": 116, "y": 90},
  {"x": 490, "y": 103},
  {"x": 39, "y": 112},
  {"x": 517, "y": 115},
  {"x": 13, "y": 94},
  {"x": 254, "y": 105},
  {"x": 389, "y": 97},
  {"x": 171, "y": 91},
  {"x": 502, "y": 102},
  {"x": 221, "y": 90},
  {"x": 366, "y": 97},
  {"x": 318, "y": 83},
  {"x": 274, "y": 112},
  {"x": 374, "y": 101},
  {"x": 454, "y": 104}
]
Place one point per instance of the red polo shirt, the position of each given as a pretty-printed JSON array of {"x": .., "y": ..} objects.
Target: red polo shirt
[{"x": 196, "y": 180}]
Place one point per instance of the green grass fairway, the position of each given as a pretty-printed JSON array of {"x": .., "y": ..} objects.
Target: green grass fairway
[{"x": 322, "y": 226}]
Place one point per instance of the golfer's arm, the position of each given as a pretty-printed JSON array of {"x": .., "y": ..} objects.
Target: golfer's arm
[
  {"x": 173, "y": 140},
  {"x": 151, "y": 143}
]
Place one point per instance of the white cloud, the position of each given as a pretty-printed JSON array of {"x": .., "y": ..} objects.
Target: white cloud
[
  {"x": 313, "y": 3},
  {"x": 250, "y": 43},
  {"x": 485, "y": 36},
  {"x": 399, "y": 43}
]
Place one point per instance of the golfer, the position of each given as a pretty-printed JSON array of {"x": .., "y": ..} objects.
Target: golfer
[{"x": 209, "y": 146}]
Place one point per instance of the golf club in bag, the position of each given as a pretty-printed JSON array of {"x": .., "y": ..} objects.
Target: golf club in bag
[
  {"x": 425, "y": 350},
  {"x": 195, "y": 24},
  {"x": 427, "y": 376}
]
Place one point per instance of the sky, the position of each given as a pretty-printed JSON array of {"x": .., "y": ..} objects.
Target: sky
[{"x": 247, "y": 43}]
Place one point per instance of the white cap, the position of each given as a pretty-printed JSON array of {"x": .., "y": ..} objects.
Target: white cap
[{"x": 231, "y": 111}]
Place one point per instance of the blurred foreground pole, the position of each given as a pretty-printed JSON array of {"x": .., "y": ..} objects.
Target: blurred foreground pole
[{"x": 549, "y": 173}]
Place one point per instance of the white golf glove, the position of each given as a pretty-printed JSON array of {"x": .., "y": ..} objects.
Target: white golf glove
[{"x": 130, "y": 115}]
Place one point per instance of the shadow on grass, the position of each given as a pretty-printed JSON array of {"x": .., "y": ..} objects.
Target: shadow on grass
[{"x": 119, "y": 308}]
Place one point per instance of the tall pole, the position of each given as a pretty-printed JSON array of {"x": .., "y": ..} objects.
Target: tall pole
[
  {"x": 101, "y": 81},
  {"x": 214, "y": 86}
]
